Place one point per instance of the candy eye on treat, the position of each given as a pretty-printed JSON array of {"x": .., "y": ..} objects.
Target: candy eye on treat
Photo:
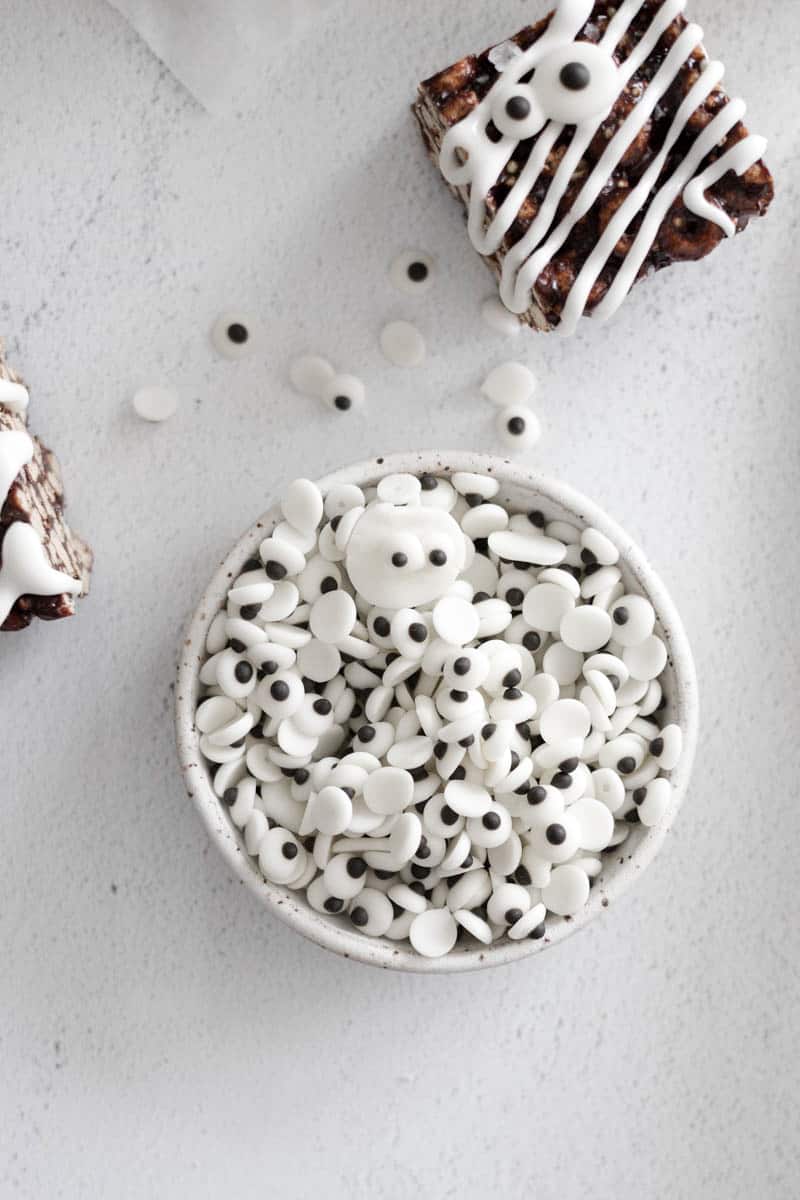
[
  {"x": 44, "y": 566},
  {"x": 592, "y": 149},
  {"x": 427, "y": 762}
]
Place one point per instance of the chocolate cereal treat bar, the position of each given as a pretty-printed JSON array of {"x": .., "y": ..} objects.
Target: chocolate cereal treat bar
[
  {"x": 44, "y": 566},
  {"x": 590, "y": 150}
]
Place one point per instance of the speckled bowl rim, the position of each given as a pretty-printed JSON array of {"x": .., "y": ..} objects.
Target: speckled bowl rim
[{"x": 332, "y": 933}]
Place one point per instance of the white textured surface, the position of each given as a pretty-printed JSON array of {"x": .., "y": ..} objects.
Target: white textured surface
[{"x": 162, "y": 1037}]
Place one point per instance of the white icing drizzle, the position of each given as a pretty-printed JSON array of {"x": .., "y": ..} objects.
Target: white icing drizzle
[
  {"x": 25, "y": 569},
  {"x": 469, "y": 157},
  {"x": 13, "y": 396}
]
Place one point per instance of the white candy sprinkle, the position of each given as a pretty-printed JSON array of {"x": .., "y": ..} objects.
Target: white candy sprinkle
[
  {"x": 564, "y": 720},
  {"x": 467, "y": 799},
  {"x": 155, "y": 403},
  {"x": 510, "y": 384},
  {"x": 567, "y": 891},
  {"x": 498, "y": 317},
  {"x": 480, "y": 929},
  {"x": 302, "y": 505},
  {"x": 586, "y": 628},
  {"x": 403, "y": 344},
  {"x": 532, "y": 548},
  {"x": 389, "y": 790},
  {"x": 455, "y": 620},
  {"x": 333, "y": 616},
  {"x": 647, "y": 659},
  {"x": 358, "y": 691},
  {"x": 399, "y": 489},
  {"x": 311, "y": 375},
  {"x": 13, "y": 396},
  {"x": 433, "y": 933}
]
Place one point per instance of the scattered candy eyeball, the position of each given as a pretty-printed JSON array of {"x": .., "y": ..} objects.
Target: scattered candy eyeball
[
  {"x": 412, "y": 272},
  {"x": 498, "y": 317},
  {"x": 233, "y": 335},
  {"x": 311, "y": 375},
  {"x": 344, "y": 393},
  {"x": 403, "y": 344},
  {"x": 510, "y": 383},
  {"x": 155, "y": 403},
  {"x": 519, "y": 427}
]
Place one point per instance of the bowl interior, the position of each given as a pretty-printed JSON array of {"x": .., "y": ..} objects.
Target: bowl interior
[{"x": 521, "y": 489}]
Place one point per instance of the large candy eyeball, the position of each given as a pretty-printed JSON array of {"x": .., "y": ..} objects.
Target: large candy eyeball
[
  {"x": 516, "y": 111},
  {"x": 575, "y": 83}
]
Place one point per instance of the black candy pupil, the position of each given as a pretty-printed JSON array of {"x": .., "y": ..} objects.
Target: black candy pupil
[
  {"x": 417, "y": 272},
  {"x": 516, "y": 426},
  {"x": 343, "y": 403},
  {"x": 399, "y": 560},
  {"x": 575, "y": 76},
  {"x": 238, "y": 333},
  {"x": 556, "y": 835},
  {"x": 518, "y": 108}
]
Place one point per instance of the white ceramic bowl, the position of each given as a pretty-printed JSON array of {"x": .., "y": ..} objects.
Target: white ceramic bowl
[{"x": 526, "y": 489}]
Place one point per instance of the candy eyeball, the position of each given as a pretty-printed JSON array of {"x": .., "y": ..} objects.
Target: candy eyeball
[
  {"x": 344, "y": 393},
  {"x": 519, "y": 427},
  {"x": 311, "y": 375},
  {"x": 412, "y": 272},
  {"x": 575, "y": 83},
  {"x": 516, "y": 111},
  {"x": 402, "y": 557},
  {"x": 234, "y": 335}
]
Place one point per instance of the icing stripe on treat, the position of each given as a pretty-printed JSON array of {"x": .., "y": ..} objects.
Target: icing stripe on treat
[
  {"x": 25, "y": 569},
  {"x": 469, "y": 157},
  {"x": 13, "y": 396}
]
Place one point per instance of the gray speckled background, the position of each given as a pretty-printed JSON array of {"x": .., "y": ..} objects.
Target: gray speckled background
[{"x": 159, "y": 1035}]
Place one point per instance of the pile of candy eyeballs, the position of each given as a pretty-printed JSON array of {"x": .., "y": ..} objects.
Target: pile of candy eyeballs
[{"x": 433, "y": 714}]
